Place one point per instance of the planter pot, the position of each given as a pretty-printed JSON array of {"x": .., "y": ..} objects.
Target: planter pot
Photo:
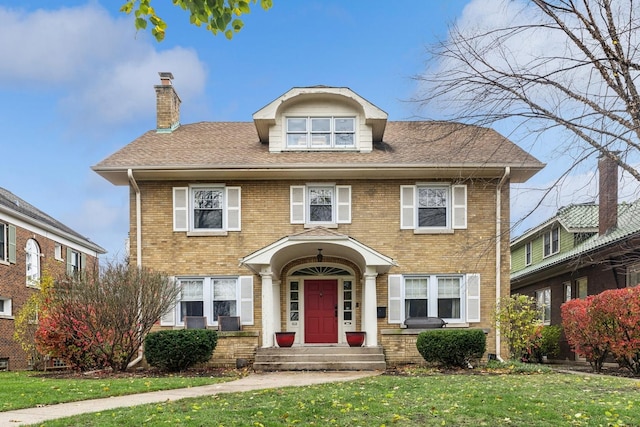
[
  {"x": 285, "y": 339},
  {"x": 355, "y": 339}
]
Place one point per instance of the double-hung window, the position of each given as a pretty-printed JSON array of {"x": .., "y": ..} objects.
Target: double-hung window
[
  {"x": 75, "y": 261},
  {"x": 211, "y": 297},
  {"x": 206, "y": 208},
  {"x": 527, "y": 253},
  {"x": 551, "y": 241},
  {"x": 454, "y": 298},
  {"x": 320, "y": 204},
  {"x": 433, "y": 207},
  {"x": 543, "y": 303},
  {"x": 320, "y": 132}
]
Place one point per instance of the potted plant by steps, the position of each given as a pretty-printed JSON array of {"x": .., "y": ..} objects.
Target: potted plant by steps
[
  {"x": 285, "y": 339},
  {"x": 355, "y": 338}
]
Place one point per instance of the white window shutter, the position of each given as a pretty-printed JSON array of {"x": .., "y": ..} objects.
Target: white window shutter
[
  {"x": 297, "y": 204},
  {"x": 180, "y": 209},
  {"x": 69, "y": 265},
  {"x": 169, "y": 317},
  {"x": 407, "y": 206},
  {"x": 233, "y": 208},
  {"x": 473, "y": 297},
  {"x": 395, "y": 298},
  {"x": 12, "y": 244},
  {"x": 343, "y": 197},
  {"x": 459, "y": 206},
  {"x": 246, "y": 300}
]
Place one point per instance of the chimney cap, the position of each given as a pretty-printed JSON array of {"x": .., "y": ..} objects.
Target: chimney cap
[{"x": 165, "y": 75}]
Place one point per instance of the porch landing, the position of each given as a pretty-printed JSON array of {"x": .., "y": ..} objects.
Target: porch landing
[{"x": 320, "y": 358}]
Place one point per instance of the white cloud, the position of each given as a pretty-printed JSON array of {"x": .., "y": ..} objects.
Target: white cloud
[{"x": 104, "y": 69}]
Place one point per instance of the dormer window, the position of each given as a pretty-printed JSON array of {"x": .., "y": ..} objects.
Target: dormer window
[{"x": 321, "y": 132}]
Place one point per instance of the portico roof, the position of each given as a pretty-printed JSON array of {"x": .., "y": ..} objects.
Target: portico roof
[{"x": 307, "y": 243}]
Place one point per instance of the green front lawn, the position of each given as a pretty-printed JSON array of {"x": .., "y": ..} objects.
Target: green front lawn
[
  {"x": 421, "y": 399},
  {"x": 25, "y": 389}
]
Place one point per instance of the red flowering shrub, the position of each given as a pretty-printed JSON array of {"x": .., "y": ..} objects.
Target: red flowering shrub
[{"x": 584, "y": 334}]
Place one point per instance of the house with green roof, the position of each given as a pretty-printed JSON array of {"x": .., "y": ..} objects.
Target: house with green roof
[{"x": 583, "y": 250}]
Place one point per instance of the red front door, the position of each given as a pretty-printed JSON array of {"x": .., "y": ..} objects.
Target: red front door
[{"x": 321, "y": 311}]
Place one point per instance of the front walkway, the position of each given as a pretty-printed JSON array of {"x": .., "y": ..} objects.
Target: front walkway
[{"x": 254, "y": 381}]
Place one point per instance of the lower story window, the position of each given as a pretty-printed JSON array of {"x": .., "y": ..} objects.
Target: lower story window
[
  {"x": 5, "y": 306},
  {"x": 211, "y": 297},
  {"x": 543, "y": 302},
  {"x": 433, "y": 296}
]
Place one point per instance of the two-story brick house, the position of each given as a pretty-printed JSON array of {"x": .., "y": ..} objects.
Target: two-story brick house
[
  {"x": 583, "y": 250},
  {"x": 32, "y": 242},
  {"x": 322, "y": 217}
]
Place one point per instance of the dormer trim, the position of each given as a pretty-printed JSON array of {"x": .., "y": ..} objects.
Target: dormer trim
[{"x": 266, "y": 116}]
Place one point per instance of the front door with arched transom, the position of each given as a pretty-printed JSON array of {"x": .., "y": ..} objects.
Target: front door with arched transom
[{"x": 320, "y": 311}]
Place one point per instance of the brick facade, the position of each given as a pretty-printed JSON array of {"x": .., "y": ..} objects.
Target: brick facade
[{"x": 375, "y": 223}]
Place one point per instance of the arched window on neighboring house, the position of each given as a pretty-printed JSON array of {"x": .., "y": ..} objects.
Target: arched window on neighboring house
[{"x": 33, "y": 263}]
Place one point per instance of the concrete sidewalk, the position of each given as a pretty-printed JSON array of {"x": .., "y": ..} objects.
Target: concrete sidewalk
[{"x": 254, "y": 381}]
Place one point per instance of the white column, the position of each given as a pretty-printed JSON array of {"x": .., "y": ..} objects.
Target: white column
[
  {"x": 277, "y": 318},
  {"x": 268, "y": 327},
  {"x": 369, "y": 307}
]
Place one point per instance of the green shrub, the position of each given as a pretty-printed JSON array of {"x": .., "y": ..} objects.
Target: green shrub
[
  {"x": 177, "y": 350},
  {"x": 452, "y": 347}
]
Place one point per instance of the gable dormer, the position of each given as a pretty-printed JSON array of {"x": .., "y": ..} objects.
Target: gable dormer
[{"x": 320, "y": 118}]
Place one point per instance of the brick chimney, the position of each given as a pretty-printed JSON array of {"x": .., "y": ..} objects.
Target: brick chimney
[
  {"x": 608, "y": 209},
  {"x": 167, "y": 105}
]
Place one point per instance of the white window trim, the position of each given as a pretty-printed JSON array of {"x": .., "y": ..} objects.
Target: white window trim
[
  {"x": 244, "y": 300},
  {"x": 33, "y": 280},
  {"x": 309, "y": 144},
  {"x": 457, "y": 210},
  {"x": 183, "y": 210},
  {"x": 542, "y": 308},
  {"x": 528, "y": 253},
  {"x": 566, "y": 286},
  {"x": 6, "y": 312},
  {"x": 549, "y": 234},
  {"x": 340, "y": 206},
  {"x": 469, "y": 297}
]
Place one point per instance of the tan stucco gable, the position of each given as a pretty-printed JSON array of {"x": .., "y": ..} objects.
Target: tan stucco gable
[{"x": 267, "y": 116}]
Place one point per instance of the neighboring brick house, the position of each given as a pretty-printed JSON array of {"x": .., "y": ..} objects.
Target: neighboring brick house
[
  {"x": 583, "y": 250},
  {"x": 321, "y": 217},
  {"x": 30, "y": 243}
]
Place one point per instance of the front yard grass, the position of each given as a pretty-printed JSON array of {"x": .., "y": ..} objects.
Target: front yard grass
[
  {"x": 27, "y": 389},
  {"x": 422, "y": 398}
]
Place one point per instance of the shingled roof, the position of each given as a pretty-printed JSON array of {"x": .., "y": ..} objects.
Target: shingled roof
[
  {"x": 16, "y": 206},
  {"x": 235, "y": 146}
]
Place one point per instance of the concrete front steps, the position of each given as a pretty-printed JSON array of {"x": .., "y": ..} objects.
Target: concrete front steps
[{"x": 320, "y": 358}]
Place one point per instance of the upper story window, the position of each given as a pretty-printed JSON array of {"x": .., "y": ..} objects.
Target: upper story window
[
  {"x": 551, "y": 241},
  {"x": 206, "y": 208},
  {"x": 321, "y": 132},
  {"x": 7, "y": 243},
  {"x": 3, "y": 242},
  {"x": 320, "y": 204},
  {"x": 75, "y": 261},
  {"x": 527, "y": 253},
  {"x": 5, "y": 307},
  {"x": 433, "y": 207},
  {"x": 32, "y": 250}
]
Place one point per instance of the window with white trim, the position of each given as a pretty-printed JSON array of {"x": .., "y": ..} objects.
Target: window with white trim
[
  {"x": 551, "y": 242},
  {"x": 543, "y": 304},
  {"x": 320, "y": 132},
  {"x": 567, "y": 291},
  {"x": 320, "y": 204},
  {"x": 4, "y": 240},
  {"x": 32, "y": 260},
  {"x": 206, "y": 208},
  {"x": 212, "y": 297},
  {"x": 5, "y": 307},
  {"x": 633, "y": 275},
  {"x": 433, "y": 207},
  {"x": 527, "y": 253},
  {"x": 75, "y": 261},
  {"x": 454, "y": 298},
  {"x": 7, "y": 243}
]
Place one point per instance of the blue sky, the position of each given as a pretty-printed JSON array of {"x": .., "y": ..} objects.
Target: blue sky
[{"x": 76, "y": 84}]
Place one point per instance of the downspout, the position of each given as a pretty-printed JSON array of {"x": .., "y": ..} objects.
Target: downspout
[
  {"x": 135, "y": 187},
  {"x": 507, "y": 173}
]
